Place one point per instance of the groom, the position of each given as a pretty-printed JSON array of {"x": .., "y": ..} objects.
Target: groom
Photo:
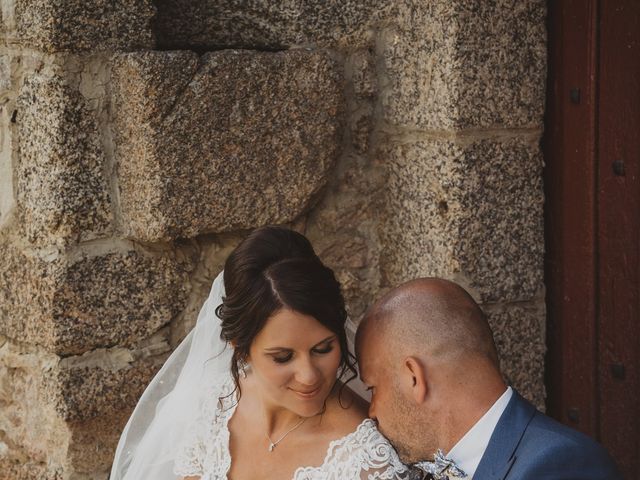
[{"x": 427, "y": 352}]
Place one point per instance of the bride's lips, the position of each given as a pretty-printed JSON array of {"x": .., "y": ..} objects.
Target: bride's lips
[{"x": 307, "y": 394}]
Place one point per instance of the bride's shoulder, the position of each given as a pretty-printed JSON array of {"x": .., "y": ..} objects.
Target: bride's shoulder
[
  {"x": 346, "y": 411},
  {"x": 360, "y": 446}
]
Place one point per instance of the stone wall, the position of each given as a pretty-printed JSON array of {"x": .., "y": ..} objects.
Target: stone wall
[{"x": 142, "y": 139}]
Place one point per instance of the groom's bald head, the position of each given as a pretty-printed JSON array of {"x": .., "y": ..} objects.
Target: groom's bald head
[
  {"x": 430, "y": 316},
  {"x": 428, "y": 353}
]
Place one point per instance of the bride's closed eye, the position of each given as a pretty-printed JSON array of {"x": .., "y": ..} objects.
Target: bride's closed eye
[
  {"x": 282, "y": 358},
  {"x": 326, "y": 348},
  {"x": 321, "y": 349}
]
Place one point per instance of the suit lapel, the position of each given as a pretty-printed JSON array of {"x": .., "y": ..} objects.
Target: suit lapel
[{"x": 499, "y": 456}]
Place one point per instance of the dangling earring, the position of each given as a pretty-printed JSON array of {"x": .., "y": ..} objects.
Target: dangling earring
[{"x": 242, "y": 366}]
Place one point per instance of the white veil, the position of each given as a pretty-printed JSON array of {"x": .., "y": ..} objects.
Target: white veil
[
  {"x": 150, "y": 440},
  {"x": 170, "y": 404}
]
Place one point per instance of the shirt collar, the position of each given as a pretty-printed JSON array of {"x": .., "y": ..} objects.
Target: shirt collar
[{"x": 469, "y": 450}]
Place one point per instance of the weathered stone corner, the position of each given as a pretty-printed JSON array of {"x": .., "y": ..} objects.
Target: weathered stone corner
[
  {"x": 62, "y": 190},
  {"x": 229, "y": 141}
]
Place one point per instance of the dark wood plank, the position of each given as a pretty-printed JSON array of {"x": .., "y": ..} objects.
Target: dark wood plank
[
  {"x": 619, "y": 231},
  {"x": 570, "y": 185}
]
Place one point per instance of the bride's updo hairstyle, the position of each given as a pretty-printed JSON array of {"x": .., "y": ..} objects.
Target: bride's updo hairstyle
[{"x": 276, "y": 268}]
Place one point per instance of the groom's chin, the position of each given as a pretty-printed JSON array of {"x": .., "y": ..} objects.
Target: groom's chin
[{"x": 404, "y": 452}]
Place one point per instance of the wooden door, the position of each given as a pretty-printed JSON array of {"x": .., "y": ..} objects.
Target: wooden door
[{"x": 592, "y": 182}]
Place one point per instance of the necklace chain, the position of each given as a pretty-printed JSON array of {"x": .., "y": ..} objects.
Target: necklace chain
[{"x": 273, "y": 444}]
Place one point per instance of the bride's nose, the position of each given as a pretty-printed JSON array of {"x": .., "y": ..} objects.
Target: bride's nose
[{"x": 307, "y": 373}]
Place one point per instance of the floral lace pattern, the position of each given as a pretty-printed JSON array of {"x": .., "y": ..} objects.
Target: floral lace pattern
[{"x": 364, "y": 454}]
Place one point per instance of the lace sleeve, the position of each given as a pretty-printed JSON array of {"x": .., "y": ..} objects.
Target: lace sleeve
[{"x": 364, "y": 454}]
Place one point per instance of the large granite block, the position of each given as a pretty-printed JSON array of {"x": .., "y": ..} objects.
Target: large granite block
[
  {"x": 62, "y": 189},
  {"x": 70, "y": 306},
  {"x": 465, "y": 64},
  {"x": 266, "y": 24},
  {"x": 82, "y": 25},
  {"x": 466, "y": 211},
  {"x": 231, "y": 140}
]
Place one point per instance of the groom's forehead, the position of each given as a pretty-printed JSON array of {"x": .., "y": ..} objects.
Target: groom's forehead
[{"x": 369, "y": 354}]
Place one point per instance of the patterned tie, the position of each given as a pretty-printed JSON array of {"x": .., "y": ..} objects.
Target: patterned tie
[{"x": 442, "y": 468}]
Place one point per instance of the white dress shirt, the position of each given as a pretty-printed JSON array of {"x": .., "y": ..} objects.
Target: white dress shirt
[{"x": 469, "y": 450}]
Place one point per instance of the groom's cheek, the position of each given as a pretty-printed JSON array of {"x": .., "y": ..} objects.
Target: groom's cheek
[{"x": 372, "y": 406}]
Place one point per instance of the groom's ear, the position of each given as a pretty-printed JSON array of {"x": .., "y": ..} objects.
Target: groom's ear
[{"x": 415, "y": 374}]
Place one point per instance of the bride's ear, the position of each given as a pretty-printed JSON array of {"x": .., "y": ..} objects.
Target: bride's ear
[{"x": 415, "y": 374}]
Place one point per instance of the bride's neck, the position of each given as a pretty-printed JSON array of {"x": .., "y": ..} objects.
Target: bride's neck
[{"x": 278, "y": 418}]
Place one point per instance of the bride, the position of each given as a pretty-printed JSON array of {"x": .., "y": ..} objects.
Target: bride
[{"x": 255, "y": 390}]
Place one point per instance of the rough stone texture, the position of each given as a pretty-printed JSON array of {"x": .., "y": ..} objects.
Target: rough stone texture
[
  {"x": 208, "y": 253},
  {"x": 81, "y": 25},
  {"x": 449, "y": 64},
  {"x": 16, "y": 465},
  {"x": 344, "y": 234},
  {"x": 7, "y": 201},
  {"x": 343, "y": 227},
  {"x": 72, "y": 306},
  {"x": 465, "y": 64},
  {"x": 93, "y": 453},
  {"x": 230, "y": 141},
  {"x": 67, "y": 414},
  {"x": 5, "y": 73},
  {"x": 62, "y": 191},
  {"x": 519, "y": 333},
  {"x": 472, "y": 211},
  {"x": 266, "y": 24},
  {"x": 29, "y": 426},
  {"x": 101, "y": 383}
]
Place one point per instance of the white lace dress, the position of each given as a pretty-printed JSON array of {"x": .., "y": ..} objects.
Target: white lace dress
[{"x": 364, "y": 454}]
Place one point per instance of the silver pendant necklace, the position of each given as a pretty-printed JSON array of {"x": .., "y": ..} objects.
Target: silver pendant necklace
[{"x": 273, "y": 444}]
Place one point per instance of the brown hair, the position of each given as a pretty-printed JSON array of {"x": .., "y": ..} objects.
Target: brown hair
[{"x": 271, "y": 269}]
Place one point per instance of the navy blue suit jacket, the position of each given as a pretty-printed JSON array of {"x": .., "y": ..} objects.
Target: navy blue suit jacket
[{"x": 527, "y": 445}]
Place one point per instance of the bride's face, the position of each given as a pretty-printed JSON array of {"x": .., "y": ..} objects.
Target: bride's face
[{"x": 295, "y": 360}]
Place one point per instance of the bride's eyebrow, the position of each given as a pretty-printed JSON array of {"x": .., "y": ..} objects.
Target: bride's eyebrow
[
  {"x": 326, "y": 340},
  {"x": 287, "y": 349}
]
